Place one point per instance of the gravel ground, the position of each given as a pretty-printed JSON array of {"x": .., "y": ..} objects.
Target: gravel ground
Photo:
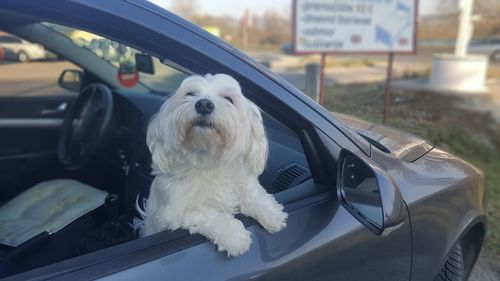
[{"x": 485, "y": 269}]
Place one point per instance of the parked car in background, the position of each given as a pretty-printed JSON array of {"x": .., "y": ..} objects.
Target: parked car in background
[
  {"x": 16, "y": 48},
  {"x": 287, "y": 48},
  {"x": 50, "y": 56},
  {"x": 486, "y": 46}
]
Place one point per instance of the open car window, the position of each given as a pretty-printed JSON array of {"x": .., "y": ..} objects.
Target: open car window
[{"x": 122, "y": 169}]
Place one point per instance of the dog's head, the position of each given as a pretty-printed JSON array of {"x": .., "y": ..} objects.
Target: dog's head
[{"x": 207, "y": 121}]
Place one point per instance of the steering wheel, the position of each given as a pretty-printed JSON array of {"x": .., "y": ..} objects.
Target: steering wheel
[{"x": 85, "y": 125}]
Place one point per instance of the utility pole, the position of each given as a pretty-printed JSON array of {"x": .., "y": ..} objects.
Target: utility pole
[
  {"x": 246, "y": 22},
  {"x": 465, "y": 27}
]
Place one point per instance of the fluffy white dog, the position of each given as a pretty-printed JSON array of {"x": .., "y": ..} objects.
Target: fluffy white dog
[{"x": 208, "y": 147}]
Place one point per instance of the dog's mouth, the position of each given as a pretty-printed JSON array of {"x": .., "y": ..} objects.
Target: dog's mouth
[{"x": 203, "y": 123}]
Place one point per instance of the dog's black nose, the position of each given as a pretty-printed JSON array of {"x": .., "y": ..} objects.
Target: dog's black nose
[{"x": 204, "y": 106}]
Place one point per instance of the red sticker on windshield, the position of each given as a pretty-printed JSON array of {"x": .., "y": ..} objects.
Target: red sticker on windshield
[
  {"x": 128, "y": 79},
  {"x": 1, "y": 53}
]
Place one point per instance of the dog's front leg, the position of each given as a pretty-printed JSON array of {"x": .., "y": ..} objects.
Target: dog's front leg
[
  {"x": 228, "y": 233},
  {"x": 262, "y": 206}
]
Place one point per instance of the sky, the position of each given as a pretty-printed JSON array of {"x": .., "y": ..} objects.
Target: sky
[{"x": 236, "y": 8}]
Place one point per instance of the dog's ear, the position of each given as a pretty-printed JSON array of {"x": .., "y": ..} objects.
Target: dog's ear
[
  {"x": 257, "y": 147},
  {"x": 157, "y": 145}
]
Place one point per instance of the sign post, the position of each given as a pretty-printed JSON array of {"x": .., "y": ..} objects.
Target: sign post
[
  {"x": 322, "y": 79},
  {"x": 387, "y": 94},
  {"x": 354, "y": 27}
]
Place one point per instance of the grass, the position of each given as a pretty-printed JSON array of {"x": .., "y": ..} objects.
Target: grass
[
  {"x": 443, "y": 120},
  {"x": 410, "y": 74}
]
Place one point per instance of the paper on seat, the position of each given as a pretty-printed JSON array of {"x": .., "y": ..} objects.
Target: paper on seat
[{"x": 48, "y": 206}]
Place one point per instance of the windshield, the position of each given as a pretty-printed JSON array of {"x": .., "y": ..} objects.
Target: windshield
[{"x": 159, "y": 77}]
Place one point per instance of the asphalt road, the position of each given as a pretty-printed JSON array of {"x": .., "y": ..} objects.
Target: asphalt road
[
  {"x": 32, "y": 79},
  {"x": 404, "y": 65},
  {"x": 40, "y": 78}
]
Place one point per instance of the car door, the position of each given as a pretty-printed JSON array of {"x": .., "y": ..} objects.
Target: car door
[
  {"x": 322, "y": 241},
  {"x": 32, "y": 108}
]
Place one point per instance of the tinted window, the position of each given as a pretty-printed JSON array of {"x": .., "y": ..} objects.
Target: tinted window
[
  {"x": 9, "y": 39},
  {"x": 15, "y": 40}
]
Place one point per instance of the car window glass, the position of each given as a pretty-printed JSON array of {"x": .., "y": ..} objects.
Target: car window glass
[
  {"x": 165, "y": 79},
  {"x": 30, "y": 70}
]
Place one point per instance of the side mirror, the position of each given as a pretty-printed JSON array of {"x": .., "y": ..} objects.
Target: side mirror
[
  {"x": 71, "y": 79},
  {"x": 368, "y": 193}
]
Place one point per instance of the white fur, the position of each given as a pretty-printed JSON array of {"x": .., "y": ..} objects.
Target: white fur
[{"x": 206, "y": 175}]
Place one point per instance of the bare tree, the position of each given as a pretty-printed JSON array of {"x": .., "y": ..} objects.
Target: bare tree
[
  {"x": 185, "y": 9},
  {"x": 444, "y": 24},
  {"x": 489, "y": 24},
  {"x": 273, "y": 28},
  {"x": 447, "y": 6}
]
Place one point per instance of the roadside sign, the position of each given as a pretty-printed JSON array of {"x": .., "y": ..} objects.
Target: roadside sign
[{"x": 354, "y": 26}]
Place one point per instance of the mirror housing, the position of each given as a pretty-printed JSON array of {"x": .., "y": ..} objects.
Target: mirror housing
[
  {"x": 369, "y": 193},
  {"x": 144, "y": 63},
  {"x": 71, "y": 79}
]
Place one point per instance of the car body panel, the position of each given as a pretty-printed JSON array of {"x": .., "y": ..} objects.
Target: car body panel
[
  {"x": 23, "y": 162},
  {"x": 400, "y": 144},
  {"x": 331, "y": 246},
  {"x": 445, "y": 198},
  {"x": 322, "y": 241}
]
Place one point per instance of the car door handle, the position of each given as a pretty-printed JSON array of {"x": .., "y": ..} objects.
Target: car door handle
[{"x": 59, "y": 109}]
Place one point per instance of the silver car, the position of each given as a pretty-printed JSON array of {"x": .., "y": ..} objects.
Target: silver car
[
  {"x": 16, "y": 48},
  {"x": 486, "y": 46}
]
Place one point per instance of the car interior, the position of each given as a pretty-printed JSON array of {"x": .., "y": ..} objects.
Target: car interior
[{"x": 68, "y": 190}]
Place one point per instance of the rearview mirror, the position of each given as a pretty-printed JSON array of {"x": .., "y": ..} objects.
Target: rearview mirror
[
  {"x": 144, "y": 63},
  {"x": 369, "y": 193},
  {"x": 71, "y": 79}
]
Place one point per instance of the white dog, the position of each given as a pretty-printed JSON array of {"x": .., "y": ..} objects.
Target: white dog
[{"x": 208, "y": 147}]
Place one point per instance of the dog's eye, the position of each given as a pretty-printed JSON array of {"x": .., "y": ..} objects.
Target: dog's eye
[
  {"x": 190, "y": 94},
  {"x": 229, "y": 99}
]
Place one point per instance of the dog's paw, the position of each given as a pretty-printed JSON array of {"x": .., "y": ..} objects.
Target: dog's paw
[
  {"x": 274, "y": 220},
  {"x": 235, "y": 239}
]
